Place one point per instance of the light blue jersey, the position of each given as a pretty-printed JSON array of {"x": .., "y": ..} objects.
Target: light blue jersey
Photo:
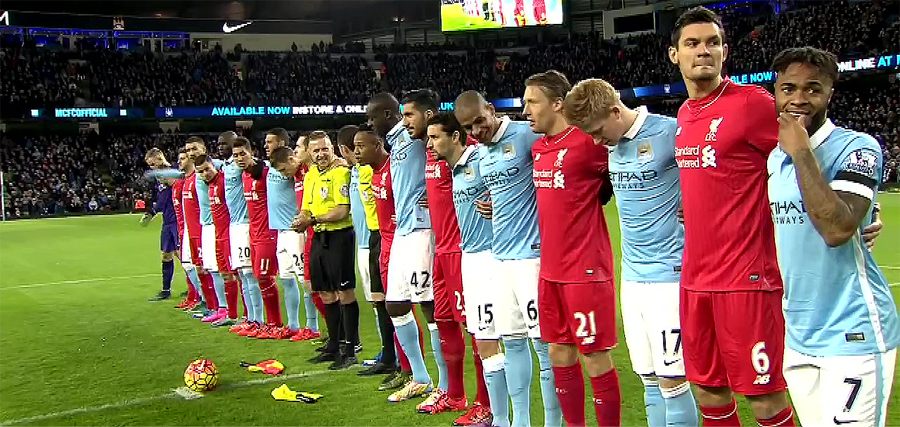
[
  {"x": 507, "y": 168},
  {"x": 469, "y": 186},
  {"x": 282, "y": 200},
  {"x": 408, "y": 180},
  {"x": 206, "y": 217},
  {"x": 645, "y": 180},
  {"x": 358, "y": 211},
  {"x": 837, "y": 300},
  {"x": 234, "y": 193}
]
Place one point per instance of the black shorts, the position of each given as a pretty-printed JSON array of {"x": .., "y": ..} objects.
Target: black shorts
[
  {"x": 331, "y": 260},
  {"x": 375, "y": 262}
]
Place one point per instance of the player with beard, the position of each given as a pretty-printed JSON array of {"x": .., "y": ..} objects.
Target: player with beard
[
  {"x": 195, "y": 294},
  {"x": 731, "y": 288},
  {"x": 419, "y": 106}
]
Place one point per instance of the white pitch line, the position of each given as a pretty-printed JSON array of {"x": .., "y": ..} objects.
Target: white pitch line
[
  {"x": 890, "y": 267},
  {"x": 143, "y": 400},
  {"x": 73, "y": 282}
]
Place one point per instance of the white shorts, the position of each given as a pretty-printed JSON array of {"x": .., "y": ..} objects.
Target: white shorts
[
  {"x": 362, "y": 268},
  {"x": 516, "y": 296},
  {"x": 409, "y": 268},
  {"x": 478, "y": 290},
  {"x": 840, "y": 390},
  {"x": 239, "y": 236},
  {"x": 289, "y": 254},
  {"x": 187, "y": 262},
  {"x": 208, "y": 248},
  {"x": 653, "y": 328}
]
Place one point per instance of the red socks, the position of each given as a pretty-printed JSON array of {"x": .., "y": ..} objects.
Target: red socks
[
  {"x": 271, "y": 301},
  {"x": 454, "y": 349},
  {"x": 192, "y": 295},
  {"x": 720, "y": 416},
  {"x": 782, "y": 419},
  {"x": 209, "y": 292},
  {"x": 570, "y": 391},
  {"x": 607, "y": 398},
  {"x": 320, "y": 305},
  {"x": 481, "y": 395},
  {"x": 231, "y": 296}
]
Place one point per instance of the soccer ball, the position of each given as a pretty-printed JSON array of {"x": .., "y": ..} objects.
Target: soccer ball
[{"x": 201, "y": 375}]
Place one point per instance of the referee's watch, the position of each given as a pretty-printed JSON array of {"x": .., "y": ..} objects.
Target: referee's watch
[{"x": 313, "y": 219}]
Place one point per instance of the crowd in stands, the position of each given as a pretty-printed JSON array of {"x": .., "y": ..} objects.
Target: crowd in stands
[{"x": 53, "y": 174}]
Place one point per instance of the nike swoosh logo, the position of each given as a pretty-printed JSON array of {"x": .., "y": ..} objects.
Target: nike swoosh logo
[
  {"x": 839, "y": 422},
  {"x": 672, "y": 362},
  {"x": 227, "y": 29}
]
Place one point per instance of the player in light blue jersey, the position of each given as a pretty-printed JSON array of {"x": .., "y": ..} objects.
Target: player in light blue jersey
[
  {"x": 446, "y": 138},
  {"x": 645, "y": 181},
  {"x": 282, "y": 207},
  {"x": 412, "y": 253},
  {"x": 506, "y": 167},
  {"x": 195, "y": 147},
  {"x": 239, "y": 233},
  {"x": 840, "y": 317}
]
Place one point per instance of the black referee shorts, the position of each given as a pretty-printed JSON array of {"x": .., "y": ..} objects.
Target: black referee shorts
[
  {"x": 376, "y": 284},
  {"x": 331, "y": 259}
]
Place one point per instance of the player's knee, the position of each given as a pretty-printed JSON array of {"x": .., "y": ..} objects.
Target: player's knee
[
  {"x": 402, "y": 319},
  {"x": 671, "y": 382},
  {"x": 428, "y": 310},
  {"x": 347, "y": 296},
  {"x": 377, "y": 297},
  {"x": 598, "y": 363},
  {"x": 649, "y": 380},
  {"x": 768, "y": 405},
  {"x": 563, "y": 354},
  {"x": 714, "y": 396},
  {"x": 670, "y": 391},
  {"x": 396, "y": 309},
  {"x": 487, "y": 348},
  {"x": 168, "y": 256},
  {"x": 329, "y": 297}
]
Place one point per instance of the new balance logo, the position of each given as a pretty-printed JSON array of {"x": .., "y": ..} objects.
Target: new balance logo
[{"x": 762, "y": 379}]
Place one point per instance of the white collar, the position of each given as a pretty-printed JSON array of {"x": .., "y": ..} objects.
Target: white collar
[
  {"x": 504, "y": 123},
  {"x": 397, "y": 127},
  {"x": 816, "y": 139},
  {"x": 638, "y": 122},
  {"x": 465, "y": 156}
]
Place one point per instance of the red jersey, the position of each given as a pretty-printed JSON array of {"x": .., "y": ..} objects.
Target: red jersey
[
  {"x": 721, "y": 147},
  {"x": 218, "y": 207},
  {"x": 439, "y": 188},
  {"x": 384, "y": 201},
  {"x": 570, "y": 173},
  {"x": 177, "y": 187},
  {"x": 191, "y": 206},
  {"x": 298, "y": 185},
  {"x": 257, "y": 202}
]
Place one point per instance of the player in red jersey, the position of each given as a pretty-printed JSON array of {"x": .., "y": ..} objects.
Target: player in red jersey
[
  {"x": 193, "y": 281},
  {"x": 216, "y": 180},
  {"x": 576, "y": 295},
  {"x": 447, "y": 270},
  {"x": 191, "y": 245},
  {"x": 369, "y": 149},
  {"x": 731, "y": 288},
  {"x": 262, "y": 238}
]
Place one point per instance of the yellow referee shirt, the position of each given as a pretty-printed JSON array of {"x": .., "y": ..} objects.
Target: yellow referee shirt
[
  {"x": 323, "y": 191},
  {"x": 367, "y": 195}
]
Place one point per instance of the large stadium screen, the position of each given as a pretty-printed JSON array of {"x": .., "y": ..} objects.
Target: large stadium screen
[{"x": 464, "y": 15}]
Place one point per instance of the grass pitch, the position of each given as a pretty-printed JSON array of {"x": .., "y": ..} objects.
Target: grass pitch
[{"x": 81, "y": 345}]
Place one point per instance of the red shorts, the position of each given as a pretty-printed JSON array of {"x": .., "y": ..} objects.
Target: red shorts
[
  {"x": 448, "y": 292},
  {"x": 307, "y": 249},
  {"x": 581, "y": 314},
  {"x": 223, "y": 255},
  {"x": 734, "y": 339},
  {"x": 263, "y": 260},
  {"x": 384, "y": 258},
  {"x": 195, "y": 251}
]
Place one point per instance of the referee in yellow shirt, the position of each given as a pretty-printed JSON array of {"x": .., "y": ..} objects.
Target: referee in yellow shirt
[{"x": 326, "y": 207}]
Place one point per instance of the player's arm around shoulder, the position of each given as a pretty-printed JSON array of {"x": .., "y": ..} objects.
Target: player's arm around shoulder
[{"x": 760, "y": 128}]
